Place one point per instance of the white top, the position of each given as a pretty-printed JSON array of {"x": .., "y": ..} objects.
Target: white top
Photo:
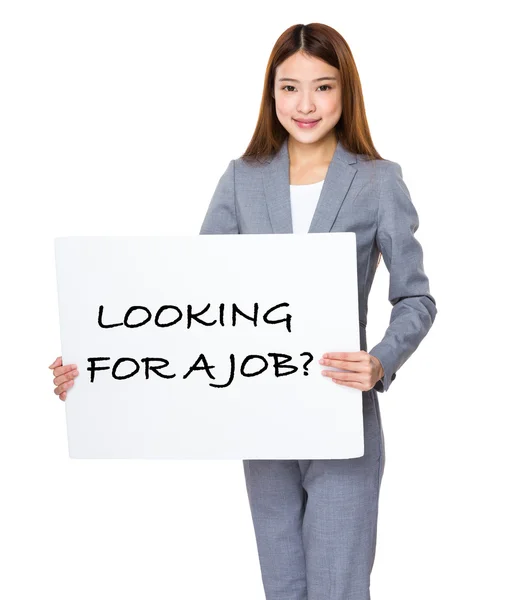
[{"x": 304, "y": 199}]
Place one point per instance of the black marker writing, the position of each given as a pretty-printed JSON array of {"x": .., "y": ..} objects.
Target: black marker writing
[{"x": 137, "y": 316}]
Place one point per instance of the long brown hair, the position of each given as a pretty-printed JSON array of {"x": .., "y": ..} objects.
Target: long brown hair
[{"x": 323, "y": 42}]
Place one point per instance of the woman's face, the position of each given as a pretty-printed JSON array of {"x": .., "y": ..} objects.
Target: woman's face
[{"x": 299, "y": 96}]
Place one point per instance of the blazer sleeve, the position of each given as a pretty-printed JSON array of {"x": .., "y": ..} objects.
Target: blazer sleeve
[
  {"x": 221, "y": 216},
  {"x": 414, "y": 308}
]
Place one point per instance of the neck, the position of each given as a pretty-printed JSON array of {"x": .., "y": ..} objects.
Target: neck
[{"x": 316, "y": 153}]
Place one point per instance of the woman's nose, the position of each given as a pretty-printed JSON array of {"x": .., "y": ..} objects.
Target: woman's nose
[{"x": 305, "y": 104}]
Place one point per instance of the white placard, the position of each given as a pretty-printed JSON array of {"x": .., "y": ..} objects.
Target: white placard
[{"x": 165, "y": 371}]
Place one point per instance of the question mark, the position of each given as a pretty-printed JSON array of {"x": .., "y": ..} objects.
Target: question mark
[{"x": 305, "y": 365}]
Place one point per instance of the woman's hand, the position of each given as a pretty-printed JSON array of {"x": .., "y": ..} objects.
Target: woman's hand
[
  {"x": 64, "y": 377},
  {"x": 365, "y": 369}
]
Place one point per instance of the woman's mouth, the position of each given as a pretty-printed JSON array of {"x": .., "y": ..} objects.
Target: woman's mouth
[{"x": 306, "y": 124}]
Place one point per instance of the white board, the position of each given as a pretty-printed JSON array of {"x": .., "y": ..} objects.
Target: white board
[{"x": 310, "y": 282}]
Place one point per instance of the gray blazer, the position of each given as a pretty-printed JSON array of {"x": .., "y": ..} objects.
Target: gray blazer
[{"x": 368, "y": 197}]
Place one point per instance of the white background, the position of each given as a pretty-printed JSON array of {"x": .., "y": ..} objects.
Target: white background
[{"x": 107, "y": 109}]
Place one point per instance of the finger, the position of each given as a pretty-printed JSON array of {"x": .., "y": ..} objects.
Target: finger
[
  {"x": 353, "y": 356},
  {"x": 56, "y": 363},
  {"x": 66, "y": 377},
  {"x": 63, "y": 396},
  {"x": 361, "y": 382},
  {"x": 345, "y": 364},
  {"x": 62, "y": 370},
  {"x": 63, "y": 388},
  {"x": 338, "y": 375}
]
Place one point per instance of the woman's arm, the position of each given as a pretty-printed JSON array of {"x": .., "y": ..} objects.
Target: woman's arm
[
  {"x": 414, "y": 308},
  {"x": 221, "y": 217}
]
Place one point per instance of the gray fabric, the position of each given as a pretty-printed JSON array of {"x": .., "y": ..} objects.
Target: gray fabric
[
  {"x": 369, "y": 198},
  {"x": 316, "y": 520}
]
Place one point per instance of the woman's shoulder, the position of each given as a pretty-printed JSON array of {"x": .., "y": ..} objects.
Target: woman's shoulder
[
  {"x": 380, "y": 164},
  {"x": 251, "y": 164},
  {"x": 372, "y": 168},
  {"x": 377, "y": 170}
]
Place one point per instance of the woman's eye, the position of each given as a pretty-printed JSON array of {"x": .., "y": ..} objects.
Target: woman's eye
[{"x": 321, "y": 86}]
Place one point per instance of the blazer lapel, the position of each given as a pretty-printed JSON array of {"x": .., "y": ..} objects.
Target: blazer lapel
[{"x": 338, "y": 181}]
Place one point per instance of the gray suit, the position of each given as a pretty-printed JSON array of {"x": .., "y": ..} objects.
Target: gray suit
[{"x": 316, "y": 520}]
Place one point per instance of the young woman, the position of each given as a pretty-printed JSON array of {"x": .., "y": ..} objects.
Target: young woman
[{"x": 311, "y": 167}]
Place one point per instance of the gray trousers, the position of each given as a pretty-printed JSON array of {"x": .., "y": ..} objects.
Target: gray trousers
[{"x": 316, "y": 520}]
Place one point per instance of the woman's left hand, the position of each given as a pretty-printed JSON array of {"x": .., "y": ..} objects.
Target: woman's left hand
[{"x": 365, "y": 369}]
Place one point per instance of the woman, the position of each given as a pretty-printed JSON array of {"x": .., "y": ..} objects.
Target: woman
[{"x": 311, "y": 167}]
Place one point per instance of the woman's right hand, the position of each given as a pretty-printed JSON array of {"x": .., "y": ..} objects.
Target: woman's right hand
[{"x": 64, "y": 377}]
